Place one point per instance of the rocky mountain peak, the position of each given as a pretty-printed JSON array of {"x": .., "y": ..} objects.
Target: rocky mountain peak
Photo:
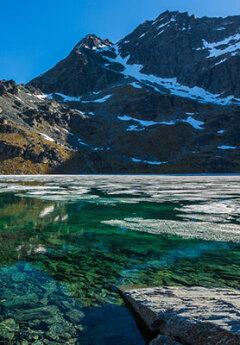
[{"x": 92, "y": 42}]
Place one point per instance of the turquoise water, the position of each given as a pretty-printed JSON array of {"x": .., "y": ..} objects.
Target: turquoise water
[{"x": 67, "y": 243}]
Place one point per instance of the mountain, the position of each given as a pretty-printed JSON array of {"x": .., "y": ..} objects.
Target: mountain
[
  {"x": 179, "y": 50},
  {"x": 164, "y": 99}
]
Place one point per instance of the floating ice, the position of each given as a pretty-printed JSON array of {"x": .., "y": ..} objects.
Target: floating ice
[
  {"x": 214, "y": 207},
  {"x": 200, "y": 230},
  {"x": 158, "y": 189}
]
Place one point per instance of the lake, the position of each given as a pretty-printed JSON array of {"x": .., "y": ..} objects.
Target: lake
[{"x": 68, "y": 242}]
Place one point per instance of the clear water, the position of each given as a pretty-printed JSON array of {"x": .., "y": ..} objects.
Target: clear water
[{"x": 67, "y": 243}]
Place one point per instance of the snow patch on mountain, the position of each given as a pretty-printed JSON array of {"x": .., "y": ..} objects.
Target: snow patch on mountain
[
  {"x": 170, "y": 84},
  {"x": 190, "y": 120},
  {"x": 166, "y": 24},
  {"x": 47, "y": 137},
  {"x": 141, "y": 122},
  {"x": 79, "y": 99},
  {"x": 81, "y": 142},
  {"x": 224, "y": 147},
  {"x": 98, "y": 100},
  {"x": 194, "y": 123},
  {"x": 230, "y": 45},
  {"x": 135, "y": 160},
  {"x": 64, "y": 97}
]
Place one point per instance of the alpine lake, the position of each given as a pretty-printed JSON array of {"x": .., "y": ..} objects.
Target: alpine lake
[{"x": 68, "y": 242}]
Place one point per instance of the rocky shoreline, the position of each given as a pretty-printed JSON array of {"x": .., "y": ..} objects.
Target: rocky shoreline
[{"x": 192, "y": 316}]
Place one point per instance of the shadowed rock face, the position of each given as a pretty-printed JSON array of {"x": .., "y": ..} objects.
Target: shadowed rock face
[
  {"x": 81, "y": 72},
  {"x": 193, "y": 316}
]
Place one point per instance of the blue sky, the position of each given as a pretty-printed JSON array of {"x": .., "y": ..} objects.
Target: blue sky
[{"x": 35, "y": 35}]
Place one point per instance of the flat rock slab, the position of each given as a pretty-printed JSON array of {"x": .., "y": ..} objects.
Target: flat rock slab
[{"x": 193, "y": 316}]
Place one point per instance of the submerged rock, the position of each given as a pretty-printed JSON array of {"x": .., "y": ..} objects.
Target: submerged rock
[
  {"x": 35, "y": 309},
  {"x": 8, "y": 328},
  {"x": 18, "y": 277},
  {"x": 194, "y": 316}
]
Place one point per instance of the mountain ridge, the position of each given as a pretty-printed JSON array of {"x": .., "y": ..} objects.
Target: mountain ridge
[{"x": 174, "y": 27}]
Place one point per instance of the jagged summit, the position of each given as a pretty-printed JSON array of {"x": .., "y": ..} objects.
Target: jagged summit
[
  {"x": 187, "y": 51},
  {"x": 92, "y": 42}
]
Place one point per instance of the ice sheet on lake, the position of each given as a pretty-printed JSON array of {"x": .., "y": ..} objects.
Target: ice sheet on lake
[
  {"x": 155, "y": 188},
  {"x": 215, "y": 207},
  {"x": 208, "y": 199},
  {"x": 188, "y": 230}
]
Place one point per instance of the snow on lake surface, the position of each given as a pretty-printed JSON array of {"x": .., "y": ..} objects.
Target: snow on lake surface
[{"x": 209, "y": 196}]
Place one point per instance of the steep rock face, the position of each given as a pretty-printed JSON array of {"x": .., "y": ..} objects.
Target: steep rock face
[
  {"x": 203, "y": 52},
  {"x": 81, "y": 72}
]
